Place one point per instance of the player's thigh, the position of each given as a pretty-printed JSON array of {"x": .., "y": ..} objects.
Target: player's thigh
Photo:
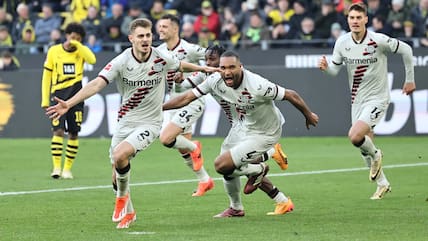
[
  {"x": 370, "y": 113},
  {"x": 186, "y": 116},
  {"x": 75, "y": 118},
  {"x": 251, "y": 147},
  {"x": 140, "y": 138}
]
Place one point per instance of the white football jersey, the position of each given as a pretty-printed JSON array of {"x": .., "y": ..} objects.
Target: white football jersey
[
  {"x": 141, "y": 84},
  {"x": 366, "y": 63},
  {"x": 183, "y": 51},
  {"x": 252, "y": 101}
]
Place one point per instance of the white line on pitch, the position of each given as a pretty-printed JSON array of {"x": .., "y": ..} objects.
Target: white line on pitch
[{"x": 194, "y": 180}]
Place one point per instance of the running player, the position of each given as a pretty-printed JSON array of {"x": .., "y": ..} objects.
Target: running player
[
  {"x": 178, "y": 131},
  {"x": 259, "y": 123},
  {"x": 140, "y": 75},
  {"x": 365, "y": 55}
]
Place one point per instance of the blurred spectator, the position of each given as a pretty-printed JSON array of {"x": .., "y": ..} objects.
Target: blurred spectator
[
  {"x": 208, "y": 18},
  {"x": 257, "y": 34},
  {"x": 335, "y": 32},
  {"x": 27, "y": 44},
  {"x": 134, "y": 12},
  {"x": 376, "y": 8},
  {"x": 233, "y": 5},
  {"x": 79, "y": 8},
  {"x": 326, "y": 18},
  {"x": 396, "y": 17},
  {"x": 94, "y": 44},
  {"x": 57, "y": 6},
  {"x": 114, "y": 39},
  {"x": 307, "y": 35},
  {"x": 6, "y": 42},
  {"x": 231, "y": 35},
  {"x": 188, "y": 9},
  {"x": 206, "y": 38},
  {"x": 379, "y": 25},
  {"x": 188, "y": 33},
  {"x": 409, "y": 34},
  {"x": 419, "y": 16},
  {"x": 92, "y": 23},
  {"x": 5, "y": 18},
  {"x": 300, "y": 12},
  {"x": 115, "y": 20},
  {"x": 108, "y": 5},
  {"x": 46, "y": 24},
  {"x": 145, "y": 5},
  {"x": 247, "y": 9},
  {"x": 8, "y": 62},
  {"x": 22, "y": 21},
  {"x": 10, "y": 6},
  {"x": 226, "y": 17},
  {"x": 55, "y": 38},
  {"x": 281, "y": 14}
]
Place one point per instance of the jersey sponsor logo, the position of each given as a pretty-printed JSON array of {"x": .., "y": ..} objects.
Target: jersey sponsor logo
[
  {"x": 68, "y": 68},
  {"x": 359, "y": 61},
  {"x": 148, "y": 82}
]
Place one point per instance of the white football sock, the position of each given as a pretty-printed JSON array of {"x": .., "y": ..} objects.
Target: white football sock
[{"x": 233, "y": 188}]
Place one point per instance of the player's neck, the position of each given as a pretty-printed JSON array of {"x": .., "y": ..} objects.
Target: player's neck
[
  {"x": 359, "y": 36},
  {"x": 173, "y": 42}
]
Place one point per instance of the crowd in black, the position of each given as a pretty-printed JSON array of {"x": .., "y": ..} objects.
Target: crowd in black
[{"x": 31, "y": 26}]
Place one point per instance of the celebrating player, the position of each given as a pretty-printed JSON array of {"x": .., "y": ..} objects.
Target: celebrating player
[
  {"x": 62, "y": 77},
  {"x": 259, "y": 124},
  {"x": 140, "y": 74},
  {"x": 365, "y": 55},
  {"x": 178, "y": 131}
]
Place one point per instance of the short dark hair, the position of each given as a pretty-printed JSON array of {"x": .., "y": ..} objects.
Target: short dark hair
[
  {"x": 359, "y": 7},
  {"x": 219, "y": 49},
  {"x": 231, "y": 53},
  {"x": 75, "y": 28},
  {"x": 171, "y": 17}
]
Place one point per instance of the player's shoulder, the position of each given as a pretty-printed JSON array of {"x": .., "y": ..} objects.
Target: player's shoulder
[
  {"x": 56, "y": 48},
  {"x": 162, "y": 47},
  {"x": 191, "y": 46},
  {"x": 344, "y": 38},
  {"x": 379, "y": 37}
]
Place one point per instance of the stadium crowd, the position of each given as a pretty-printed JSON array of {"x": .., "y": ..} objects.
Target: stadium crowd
[{"x": 28, "y": 27}]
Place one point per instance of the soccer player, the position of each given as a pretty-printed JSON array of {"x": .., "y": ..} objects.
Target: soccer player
[
  {"x": 178, "y": 131},
  {"x": 62, "y": 77},
  {"x": 258, "y": 126},
  {"x": 140, "y": 74},
  {"x": 365, "y": 55}
]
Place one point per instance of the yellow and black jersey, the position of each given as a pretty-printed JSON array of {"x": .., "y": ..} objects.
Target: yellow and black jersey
[{"x": 63, "y": 71}]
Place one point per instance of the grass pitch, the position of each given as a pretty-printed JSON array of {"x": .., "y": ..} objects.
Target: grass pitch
[{"x": 326, "y": 180}]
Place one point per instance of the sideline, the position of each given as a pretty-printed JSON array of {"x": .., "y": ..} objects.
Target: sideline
[{"x": 193, "y": 180}]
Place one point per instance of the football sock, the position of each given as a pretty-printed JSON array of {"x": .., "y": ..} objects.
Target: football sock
[
  {"x": 70, "y": 153},
  {"x": 202, "y": 174},
  {"x": 270, "y": 152},
  {"x": 232, "y": 187},
  {"x": 368, "y": 147},
  {"x": 280, "y": 198},
  {"x": 184, "y": 143},
  {"x": 130, "y": 207},
  {"x": 367, "y": 158},
  {"x": 56, "y": 151},
  {"x": 382, "y": 181},
  {"x": 122, "y": 180}
]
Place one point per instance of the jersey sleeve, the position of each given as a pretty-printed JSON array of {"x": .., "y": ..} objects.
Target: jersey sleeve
[
  {"x": 112, "y": 70},
  {"x": 206, "y": 86},
  {"x": 270, "y": 90},
  {"x": 196, "y": 53},
  {"x": 47, "y": 79},
  {"x": 193, "y": 80}
]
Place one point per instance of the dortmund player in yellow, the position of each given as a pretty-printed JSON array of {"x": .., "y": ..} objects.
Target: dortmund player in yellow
[{"x": 62, "y": 77}]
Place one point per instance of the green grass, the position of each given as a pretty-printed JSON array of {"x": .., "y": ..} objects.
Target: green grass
[{"x": 328, "y": 206}]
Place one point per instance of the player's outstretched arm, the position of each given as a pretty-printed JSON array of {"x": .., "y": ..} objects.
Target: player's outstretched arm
[
  {"x": 179, "y": 101},
  {"x": 56, "y": 111},
  {"x": 294, "y": 98},
  {"x": 188, "y": 67}
]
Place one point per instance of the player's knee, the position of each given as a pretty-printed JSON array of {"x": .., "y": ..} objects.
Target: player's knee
[
  {"x": 356, "y": 140},
  {"x": 222, "y": 167},
  {"x": 168, "y": 142}
]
